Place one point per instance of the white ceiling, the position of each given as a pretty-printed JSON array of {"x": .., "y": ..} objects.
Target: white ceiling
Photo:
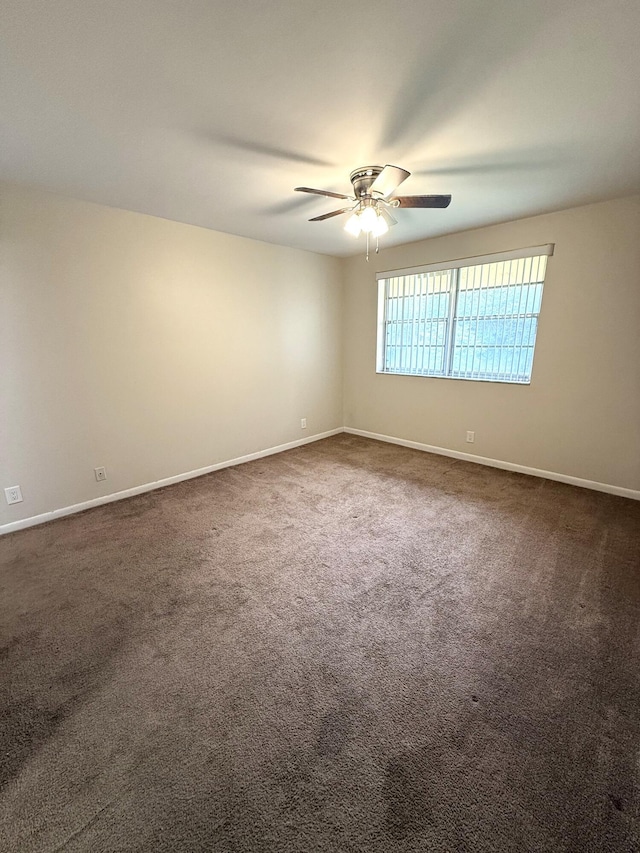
[{"x": 211, "y": 112}]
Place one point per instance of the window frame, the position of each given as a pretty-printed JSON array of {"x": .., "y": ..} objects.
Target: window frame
[{"x": 454, "y": 268}]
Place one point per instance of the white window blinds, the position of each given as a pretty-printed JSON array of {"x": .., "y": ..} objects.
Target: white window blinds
[{"x": 475, "y": 318}]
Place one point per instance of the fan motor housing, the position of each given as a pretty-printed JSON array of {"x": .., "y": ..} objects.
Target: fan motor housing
[{"x": 362, "y": 178}]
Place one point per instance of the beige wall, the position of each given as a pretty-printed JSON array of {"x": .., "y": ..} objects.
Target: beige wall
[
  {"x": 155, "y": 348},
  {"x": 581, "y": 414},
  {"x": 151, "y": 348}
]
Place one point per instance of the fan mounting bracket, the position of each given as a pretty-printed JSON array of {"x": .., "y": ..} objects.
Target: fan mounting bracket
[{"x": 362, "y": 178}]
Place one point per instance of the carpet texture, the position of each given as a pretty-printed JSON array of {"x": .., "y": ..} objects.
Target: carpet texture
[{"x": 350, "y": 646}]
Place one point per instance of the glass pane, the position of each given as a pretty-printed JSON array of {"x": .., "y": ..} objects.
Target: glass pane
[
  {"x": 517, "y": 299},
  {"x": 415, "y": 332},
  {"x": 494, "y": 348},
  {"x": 494, "y": 329},
  {"x": 496, "y": 320},
  {"x": 415, "y": 346}
]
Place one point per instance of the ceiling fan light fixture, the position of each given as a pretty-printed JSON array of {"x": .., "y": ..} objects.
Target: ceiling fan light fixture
[
  {"x": 369, "y": 219},
  {"x": 353, "y": 224},
  {"x": 387, "y": 217},
  {"x": 380, "y": 227},
  {"x": 373, "y": 194}
]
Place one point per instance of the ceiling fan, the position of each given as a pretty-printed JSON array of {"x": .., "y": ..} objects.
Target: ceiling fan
[{"x": 373, "y": 188}]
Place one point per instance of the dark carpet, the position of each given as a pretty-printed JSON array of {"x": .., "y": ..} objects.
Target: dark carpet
[{"x": 350, "y": 646}]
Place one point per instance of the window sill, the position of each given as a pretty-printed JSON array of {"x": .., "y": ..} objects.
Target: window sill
[{"x": 455, "y": 378}]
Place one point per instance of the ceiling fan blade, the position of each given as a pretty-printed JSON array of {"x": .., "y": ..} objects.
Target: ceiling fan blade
[
  {"x": 328, "y": 215},
  {"x": 388, "y": 180},
  {"x": 320, "y": 192},
  {"x": 422, "y": 200}
]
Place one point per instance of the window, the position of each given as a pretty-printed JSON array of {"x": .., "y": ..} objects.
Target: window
[{"x": 470, "y": 319}]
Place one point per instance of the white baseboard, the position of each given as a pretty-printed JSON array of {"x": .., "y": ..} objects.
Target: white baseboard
[
  {"x": 416, "y": 445},
  {"x": 498, "y": 463},
  {"x": 158, "y": 484}
]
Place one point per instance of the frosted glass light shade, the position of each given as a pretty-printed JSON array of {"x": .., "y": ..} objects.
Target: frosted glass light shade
[
  {"x": 380, "y": 227},
  {"x": 353, "y": 225},
  {"x": 368, "y": 219}
]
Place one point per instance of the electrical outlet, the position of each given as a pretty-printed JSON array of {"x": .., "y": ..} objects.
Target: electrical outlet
[
  {"x": 303, "y": 423},
  {"x": 100, "y": 473},
  {"x": 13, "y": 495},
  {"x": 471, "y": 436}
]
